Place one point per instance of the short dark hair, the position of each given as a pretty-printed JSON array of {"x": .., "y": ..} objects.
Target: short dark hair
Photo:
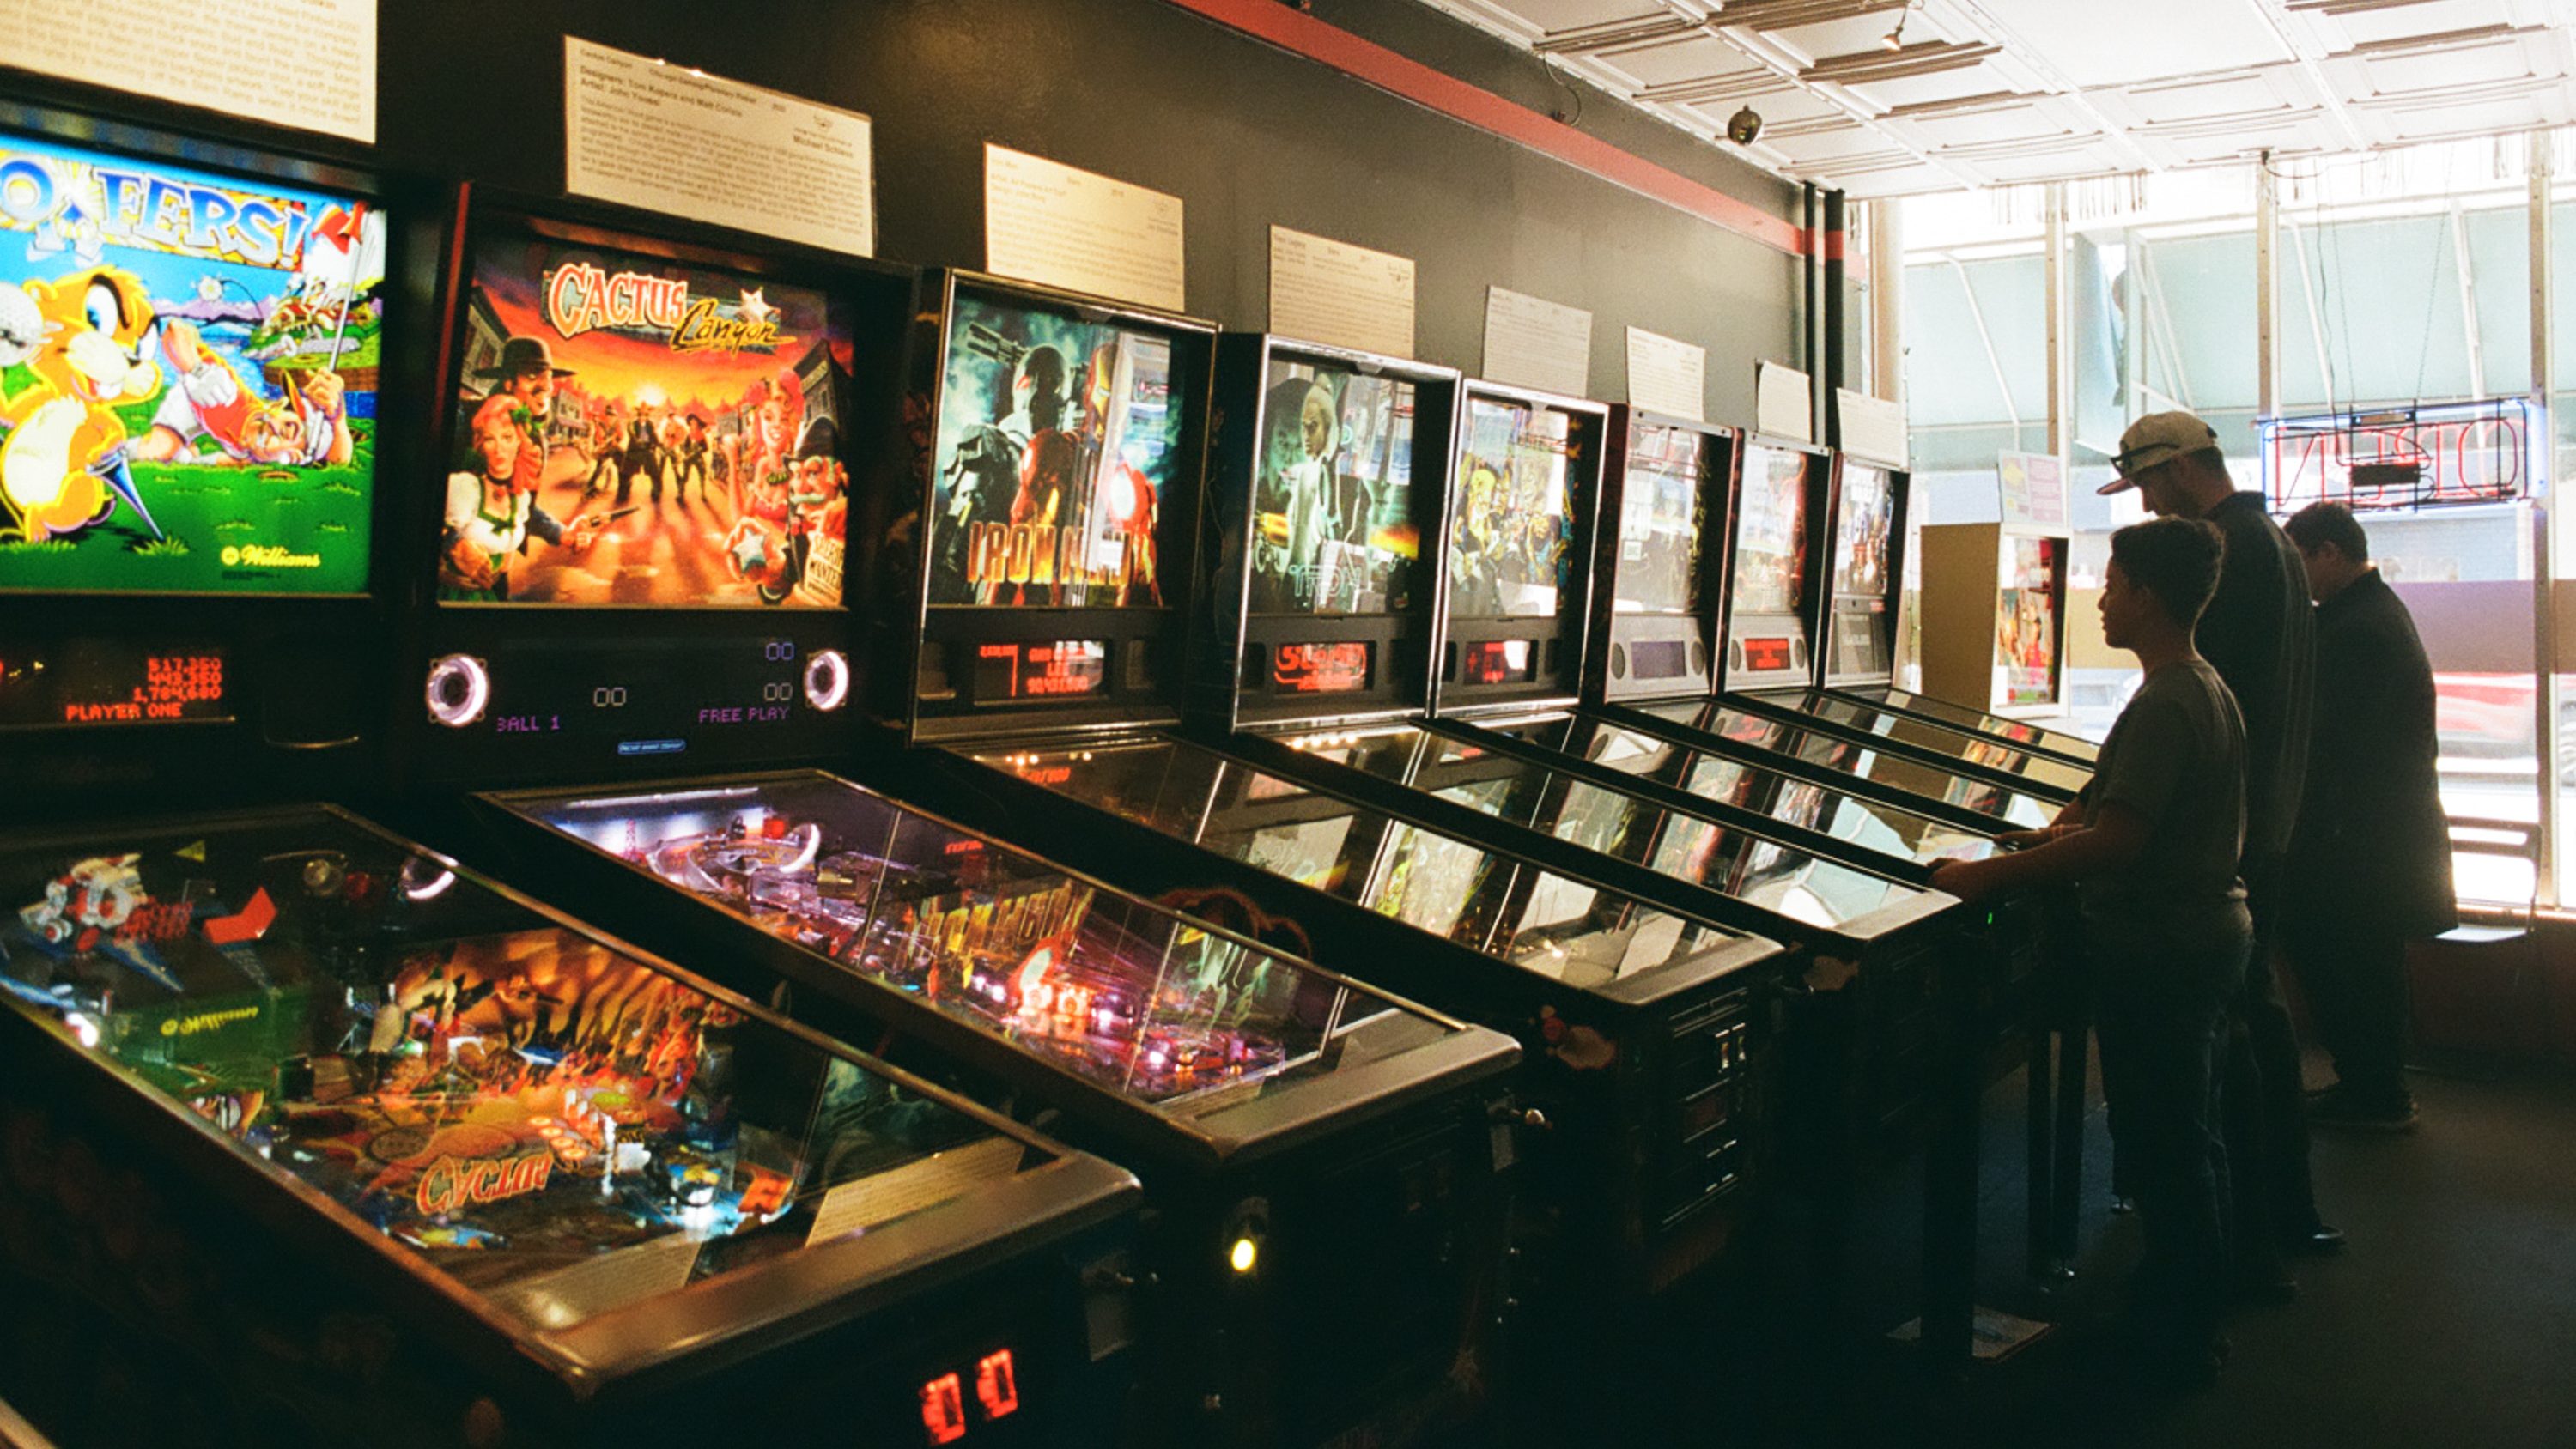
[
  {"x": 2175, "y": 559},
  {"x": 2323, "y": 523}
]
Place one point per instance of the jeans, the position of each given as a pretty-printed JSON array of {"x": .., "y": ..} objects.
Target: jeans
[{"x": 2160, "y": 1019}]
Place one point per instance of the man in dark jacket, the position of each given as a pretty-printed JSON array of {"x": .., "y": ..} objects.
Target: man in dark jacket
[
  {"x": 2258, "y": 633},
  {"x": 2370, "y": 863}
]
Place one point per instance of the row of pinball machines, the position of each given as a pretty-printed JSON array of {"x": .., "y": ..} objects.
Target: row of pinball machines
[
  {"x": 337, "y": 1109},
  {"x": 602, "y": 818},
  {"x": 1344, "y": 692}
]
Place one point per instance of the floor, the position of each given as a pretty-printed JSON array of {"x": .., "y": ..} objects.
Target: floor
[{"x": 2447, "y": 1321}]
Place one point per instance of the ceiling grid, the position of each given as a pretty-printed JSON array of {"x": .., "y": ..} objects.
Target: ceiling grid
[{"x": 1900, "y": 97}]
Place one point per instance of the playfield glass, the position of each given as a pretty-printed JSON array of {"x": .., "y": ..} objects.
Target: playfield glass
[
  {"x": 188, "y": 373},
  {"x": 1511, "y": 511},
  {"x": 1659, "y": 521},
  {"x": 1947, "y": 740},
  {"x": 1332, "y": 510},
  {"x": 1058, "y": 441},
  {"x": 1452, "y": 888},
  {"x": 1863, "y": 523},
  {"x": 1120, "y": 993},
  {"x": 2014, "y": 808},
  {"x": 631, "y": 431},
  {"x": 1951, "y": 712},
  {"x": 1886, "y": 829},
  {"x": 1769, "y": 874},
  {"x": 553, "y": 1124},
  {"x": 1771, "y": 532}
]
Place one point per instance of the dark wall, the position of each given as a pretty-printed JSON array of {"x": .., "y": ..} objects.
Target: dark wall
[{"x": 1139, "y": 89}]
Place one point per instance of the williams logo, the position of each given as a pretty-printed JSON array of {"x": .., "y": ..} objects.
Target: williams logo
[{"x": 264, "y": 556}]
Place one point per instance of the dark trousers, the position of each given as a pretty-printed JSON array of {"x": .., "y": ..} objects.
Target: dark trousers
[
  {"x": 2160, "y": 1016},
  {"x": 2354, "y": 972},
  {"x": 2267, "y": 1118}
]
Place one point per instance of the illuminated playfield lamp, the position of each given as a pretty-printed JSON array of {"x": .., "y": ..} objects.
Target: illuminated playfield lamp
[
  {"x": 459, "y": 689},
  {"x": 1245, "y": 1229},
  {"x": 827, "y": 680}
]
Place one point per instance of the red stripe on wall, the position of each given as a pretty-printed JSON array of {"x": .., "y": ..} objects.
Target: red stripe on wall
[{"x": 1302, "y": 34}]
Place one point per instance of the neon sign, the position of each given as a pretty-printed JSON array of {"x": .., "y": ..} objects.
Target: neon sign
[{"x": 2454, "y": 453}]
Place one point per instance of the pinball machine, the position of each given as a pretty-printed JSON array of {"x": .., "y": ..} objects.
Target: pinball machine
[
  {"x": 1789, "y": 721},
  {"x": 1494, "y": 751},
  {"x": 1994, "y": 689},
  {"x": 311, "y": 1133},
  {"x": 1311, "y": 604},
  {"x": 1302, "y": 1138},
  {"x": 1313, "y": 759},
  {"x": 1780, "y": 607}
]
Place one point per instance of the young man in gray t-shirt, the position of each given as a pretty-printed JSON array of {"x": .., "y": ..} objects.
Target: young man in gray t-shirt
[{"x": 2153, "y": 845}]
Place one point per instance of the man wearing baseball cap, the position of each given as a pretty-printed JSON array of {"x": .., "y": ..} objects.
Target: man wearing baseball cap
[{"x": 2259, "y": 633}]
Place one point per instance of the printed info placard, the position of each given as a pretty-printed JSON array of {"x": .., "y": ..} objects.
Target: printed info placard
[
  {"x": 1322, "y": 290},
  {"x": 310, "y": 64},
  {"x": 1533, "y": 342},
  {"x": 679, "y": 141},
  {"x": 1667, "y": 375},
  {"x": 1066, "y": 227}
]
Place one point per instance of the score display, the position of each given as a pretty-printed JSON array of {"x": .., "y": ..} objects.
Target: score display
[
  {"x": 1498, "y": 661},
  {"x": 1340, "y": 668},
  {"x": 1765, "y": 655},
  {"x": 944, "y": 1412},
  {"x": 1658, "y": 659},
  {"x": 95, "y": 682},
  {"x": 651, "y": 698},
  {"x": 1054, "y": 669}
]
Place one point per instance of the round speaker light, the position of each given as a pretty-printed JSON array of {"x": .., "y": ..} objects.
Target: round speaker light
[
  {"x": 460, "y": 687},
  {"x": 827, "y": 680}
]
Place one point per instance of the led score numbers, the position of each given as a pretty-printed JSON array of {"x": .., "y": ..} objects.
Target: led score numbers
[
  {"x": 1054, "y": 670},
  {"x": 1766, "y": 655},
  {"x": 943, "y": 1400},
  {"x": 107, "y": 684}
]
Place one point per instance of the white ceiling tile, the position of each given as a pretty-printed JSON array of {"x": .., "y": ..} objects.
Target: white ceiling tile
[
  {"x": 2116, "y": 42},
  {"x": 1686, "y": 58},
  {"x": 1550, "y": 15},
  {"x": 1820, "y": 147},
  {"x": 2425, "y": 17},
  {"x": 1779, "y": 109},
  {"x": 2446, "y": 68},
  {"x": 1944, "y": 85}
]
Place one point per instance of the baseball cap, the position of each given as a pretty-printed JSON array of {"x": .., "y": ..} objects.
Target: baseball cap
[{"x": 2153, "y": 439}]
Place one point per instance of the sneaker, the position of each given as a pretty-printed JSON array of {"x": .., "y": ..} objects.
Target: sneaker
[
  {"x": 2316, "y": 1240},
  {"x": 2340, "y": 1108}
]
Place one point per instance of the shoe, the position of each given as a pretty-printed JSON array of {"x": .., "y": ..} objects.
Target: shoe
[
  {"x": 2315, "y": 1241},
  {"x": 2340, "y": 1108}
]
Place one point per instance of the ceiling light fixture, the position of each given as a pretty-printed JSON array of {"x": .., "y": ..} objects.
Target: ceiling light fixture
[{"x": 1896, "y": 38}]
